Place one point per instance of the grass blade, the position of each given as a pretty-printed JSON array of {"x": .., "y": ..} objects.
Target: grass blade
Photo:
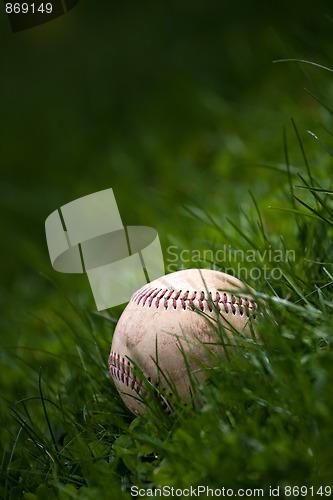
[{"x": 303, "y": 61}]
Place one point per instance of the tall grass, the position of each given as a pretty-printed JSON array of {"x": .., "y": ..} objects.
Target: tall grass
[{"x": 263, "y": 418}]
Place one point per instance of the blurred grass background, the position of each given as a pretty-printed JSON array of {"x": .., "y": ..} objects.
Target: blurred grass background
[
  {"x": 158, "y": 101},
  {"x": 168, "y": 103}
]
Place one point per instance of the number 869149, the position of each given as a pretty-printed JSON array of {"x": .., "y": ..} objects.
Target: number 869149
[{"x": 25, "y": 8}]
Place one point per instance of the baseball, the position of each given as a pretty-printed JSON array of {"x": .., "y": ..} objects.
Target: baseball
[{"x": 176, "y": 315}]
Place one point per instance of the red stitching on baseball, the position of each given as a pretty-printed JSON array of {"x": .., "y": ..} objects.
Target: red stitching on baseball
[
  {"x": 124, "y": 375},
  {"x": 233, "y": 304},
  {"x": 157, "y": 301},
  {"x": 152, "y": 297},
  {"x": 147, "y": 295},
  {"x": 167, "y": 298}
]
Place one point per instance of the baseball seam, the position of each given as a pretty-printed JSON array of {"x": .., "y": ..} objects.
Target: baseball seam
[
  {"x": 121, "y": 370},
  {"x": 171, "y": 298}
]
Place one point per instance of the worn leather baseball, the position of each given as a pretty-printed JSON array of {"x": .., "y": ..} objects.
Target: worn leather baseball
[{"x": 173, "y": 316}]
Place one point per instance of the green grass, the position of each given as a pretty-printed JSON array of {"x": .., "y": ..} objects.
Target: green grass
[{"x": 266, "y": 419}]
